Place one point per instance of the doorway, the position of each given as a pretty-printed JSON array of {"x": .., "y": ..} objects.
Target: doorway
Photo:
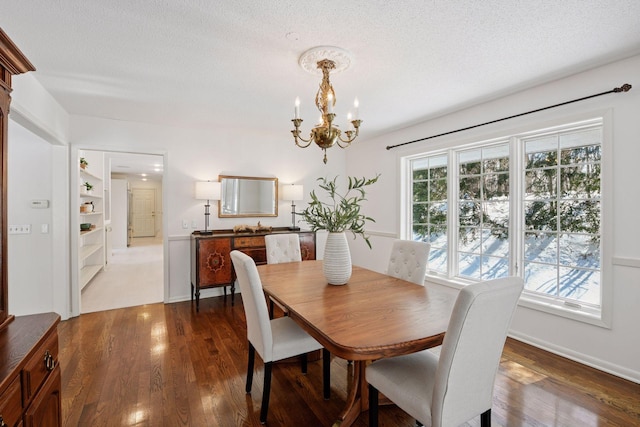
[{"x": 134, "y": 258}]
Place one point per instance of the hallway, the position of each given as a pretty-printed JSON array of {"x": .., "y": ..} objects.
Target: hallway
[{"x": 134, "y": 277}]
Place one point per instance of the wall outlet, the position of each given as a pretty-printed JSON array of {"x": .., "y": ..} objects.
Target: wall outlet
[
  {"x": 185, "y": 224},
  {"x": 20, "y": 229},
  {"x": 194, "y": 224}
]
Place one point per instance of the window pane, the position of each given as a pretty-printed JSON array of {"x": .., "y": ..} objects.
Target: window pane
[
  {"x": 496, "y": 185},
  {"x": 540, "y": 216},
  {"x": 580, "y": 285},
  {"x": 469, "y": 265},
  {"x": 580, "y": 216},
  {"x": 541, "y": 247},
  {"x": 438, "y": 172},
  {"x": 420, "y": 213},
  {"x": 469, "y": 239},
  {"x": 469, "y": 213},
  {"x": 581, "y": 139},
  {"x": 420, "y": 191},
  {"x": 540, "y": 184},
  {"x": 580, "y": 250},
  {"x": 438, "y": 189},
  {"x": 494, "y": 242},
  {"x": 541, "y": 278},
  {"x": 582, "y": 182},
  {"x": 438, "y": 214},
  {"x": 496, "y": 215},
  {"x": 470, "y": 188},
  {"x": 494, "y": 267}
]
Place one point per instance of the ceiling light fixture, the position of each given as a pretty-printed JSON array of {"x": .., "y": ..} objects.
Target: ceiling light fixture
[{"x": 326, "y": 134}]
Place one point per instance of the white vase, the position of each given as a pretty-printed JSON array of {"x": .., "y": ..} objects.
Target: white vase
[{"x": 336, "y": 265}]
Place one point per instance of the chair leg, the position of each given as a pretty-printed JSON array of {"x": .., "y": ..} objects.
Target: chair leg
[
  {"x": 251, "y": 359},
  {"x": 303, "y": 363},
  {"x": 485, "y": 418},
  {"x": 265, "y": 392},
  {"x": 326, "y": 374},
  {"x": 373, "y": 406}
]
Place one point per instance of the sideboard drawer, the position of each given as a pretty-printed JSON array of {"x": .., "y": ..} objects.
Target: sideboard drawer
[
  {"x": 259, "y": 255},
  {"x": 248, "y": 242},
  {"x": 39, "y": 366},
  {"x": 11, "y": 404}
]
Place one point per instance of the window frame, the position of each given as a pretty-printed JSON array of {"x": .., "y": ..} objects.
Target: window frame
[{"x": 597, "y": 316}]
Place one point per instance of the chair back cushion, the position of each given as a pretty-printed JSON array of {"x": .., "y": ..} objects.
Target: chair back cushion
[
  {"x": 408, "y": 260},
  {"x": 282, "y": 248},
  {"x": 255, "y": 305},
  {"x": 471, "y": 350}
]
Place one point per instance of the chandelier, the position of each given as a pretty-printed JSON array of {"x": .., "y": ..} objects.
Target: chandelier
[{"x": 326, "y": 133}]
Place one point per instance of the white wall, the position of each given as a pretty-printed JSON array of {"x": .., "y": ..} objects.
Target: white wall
[
  {"x": 617, "y": 349},
  {"x": 30, "y": 265}
]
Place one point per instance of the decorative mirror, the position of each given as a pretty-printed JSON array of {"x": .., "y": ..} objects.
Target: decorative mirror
[{"x": 247, "y": 196}]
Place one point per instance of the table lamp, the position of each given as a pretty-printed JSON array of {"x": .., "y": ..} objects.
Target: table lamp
[
  {"x": 207, "y": 190},
  {"x": 293, "y": 192}
]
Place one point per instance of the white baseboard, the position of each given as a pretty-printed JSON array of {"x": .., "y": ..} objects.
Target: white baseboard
[{"x": 601, "y": 365}]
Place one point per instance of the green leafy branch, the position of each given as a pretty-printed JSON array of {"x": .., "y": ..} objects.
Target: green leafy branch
[{"x": 343, "y": 212}]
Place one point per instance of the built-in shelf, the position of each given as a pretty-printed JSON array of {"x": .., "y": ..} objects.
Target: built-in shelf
[
  {"x": 87, "y": 273},
  {"x": 91, "y": 243},
  {"x": 86, "y": 232},
  {"x": 88, "y": 250},
  {"x": 87, "y": 173},
  {"x": 90, "y": 196}
]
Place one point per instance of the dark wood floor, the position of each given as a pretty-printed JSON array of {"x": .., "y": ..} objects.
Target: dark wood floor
[{"x": 166, "y": 365}]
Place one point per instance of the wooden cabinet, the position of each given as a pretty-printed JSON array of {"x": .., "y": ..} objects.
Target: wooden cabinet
[
  {"x": 29, "y": 372},
  {"x": 211, "y": 265}
]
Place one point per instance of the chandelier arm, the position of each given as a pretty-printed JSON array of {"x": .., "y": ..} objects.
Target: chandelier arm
[
  {"x": 347, "y": 142},
  {"x": 308, "y": 141}
]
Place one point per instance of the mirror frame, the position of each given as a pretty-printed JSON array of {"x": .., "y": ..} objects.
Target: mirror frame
[{"x": 247, "y": 215}]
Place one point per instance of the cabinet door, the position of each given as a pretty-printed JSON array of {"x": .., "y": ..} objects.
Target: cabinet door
[
  {"x": 214, "y": 262},
  {"x": 45, "y": 408}
]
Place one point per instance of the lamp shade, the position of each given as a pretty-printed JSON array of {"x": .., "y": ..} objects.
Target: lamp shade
[
  {"x": 207, "y": 190},
  {"x": 292, "y": 192}
]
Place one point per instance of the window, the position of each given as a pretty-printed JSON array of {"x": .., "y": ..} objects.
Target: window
[
  {"x": 483, "y": 212},
  {"x": 527, "y": 205},
  {"x": 562, "y": 215},
  {"x": 429, "y": 207}
]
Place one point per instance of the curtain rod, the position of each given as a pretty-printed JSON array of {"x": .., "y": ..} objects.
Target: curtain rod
[{"x": 624, "y": 88}]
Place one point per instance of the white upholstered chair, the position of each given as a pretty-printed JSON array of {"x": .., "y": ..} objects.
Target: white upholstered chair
[
  {"x": 453, "y": 388},
  {"x": 408, "y": 260},
  {"x": 281, "y": 248},
  {"x": 275, "y": 339}
]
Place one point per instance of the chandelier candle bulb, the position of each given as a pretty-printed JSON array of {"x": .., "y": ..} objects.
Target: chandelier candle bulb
[
  {"x": 356, "y": 104},
  {"x": 297, "y": 109}
]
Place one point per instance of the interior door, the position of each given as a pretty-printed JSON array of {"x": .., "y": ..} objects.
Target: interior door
[{"x": 144, "y": 205}]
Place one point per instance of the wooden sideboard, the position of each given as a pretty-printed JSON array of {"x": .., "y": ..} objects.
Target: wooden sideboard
[
  {"x": 30, "y": 390},
  {"x": 211, "y": 265}
]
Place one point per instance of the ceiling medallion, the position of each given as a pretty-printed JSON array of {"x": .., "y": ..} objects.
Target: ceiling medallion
[{"x": 323, "y": 60}]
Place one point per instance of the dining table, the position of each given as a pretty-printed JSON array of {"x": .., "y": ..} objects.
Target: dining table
[{"x": 373, "y": 316}]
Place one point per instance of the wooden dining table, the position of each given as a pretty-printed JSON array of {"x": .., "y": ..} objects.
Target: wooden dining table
[{"x": 371, "y": 317}]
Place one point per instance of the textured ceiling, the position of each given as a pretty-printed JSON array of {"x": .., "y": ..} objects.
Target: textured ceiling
[{"x": 234, "y": 63}]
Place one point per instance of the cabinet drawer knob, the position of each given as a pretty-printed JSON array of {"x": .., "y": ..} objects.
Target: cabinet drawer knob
[{"x": 49, "y": 363}]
